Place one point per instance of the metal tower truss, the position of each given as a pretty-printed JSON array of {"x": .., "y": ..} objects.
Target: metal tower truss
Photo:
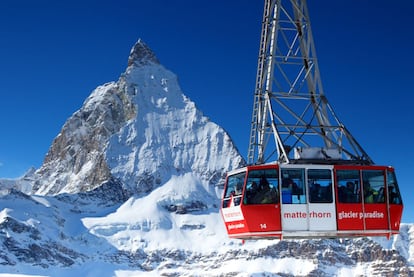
[{"x": 292, "y": 120}]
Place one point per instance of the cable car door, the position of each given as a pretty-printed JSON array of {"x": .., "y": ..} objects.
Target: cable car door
[
  {"x": 307, "y": 198},
  {"x": 322, "y": 209},
  {"x": 294, "y": 208}
]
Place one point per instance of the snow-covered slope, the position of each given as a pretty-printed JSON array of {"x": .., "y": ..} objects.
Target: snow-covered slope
[
  {"x": 169, "y": 233},
  {"x": 138, "y": 131},
  {"x": 23, "y": 184}
]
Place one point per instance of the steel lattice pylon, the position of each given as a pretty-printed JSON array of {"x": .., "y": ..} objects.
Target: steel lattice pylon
[{"x": 290, "y": 108}]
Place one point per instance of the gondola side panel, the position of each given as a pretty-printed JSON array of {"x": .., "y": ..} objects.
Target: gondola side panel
[
  {"x": 350, "y": 217},
  {"x": 395, "y": 216},
  {"x": 376, "y": 216},
  {"x": 263, "y": 219},
  {"x": 234, "y": 220}
]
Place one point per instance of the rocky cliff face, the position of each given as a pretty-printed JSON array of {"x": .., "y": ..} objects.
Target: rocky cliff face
[{"x": 138, "y": 131}]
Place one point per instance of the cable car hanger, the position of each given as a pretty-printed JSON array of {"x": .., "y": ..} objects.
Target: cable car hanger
[{"x": 321, "y": 182}]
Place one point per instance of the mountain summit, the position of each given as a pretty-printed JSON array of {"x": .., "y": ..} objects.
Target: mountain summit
[
  {"x": 135, "y": 134},
  {"x": 141, "y": 54}
]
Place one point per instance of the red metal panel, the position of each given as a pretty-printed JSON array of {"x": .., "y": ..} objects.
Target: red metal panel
[
  {"x": 350, "y": 216},
  {"x": 262, "y": 218},
  {"x": 254, "y": 221},
  {"x": 236, "y": 228},
  {"x": 395, "y": 216},
  {"x": 376, "y": 216}
]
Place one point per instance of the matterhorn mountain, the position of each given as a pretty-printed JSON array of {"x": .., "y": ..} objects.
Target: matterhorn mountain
[
  {"x": 137, "y": 133},
  {"x": 131, "y": 186}
]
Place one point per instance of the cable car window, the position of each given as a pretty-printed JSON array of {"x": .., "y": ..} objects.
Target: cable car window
[
  {"x": 234, "y": 189},
  {"x": 262, "y": 187},
  {"x": 393, "y": 190},
  {"x": 320, "y": 185},
  {"x": 349, "y": 186},
  {"x": 373, "y": 184},
  {"x": 293, "y": 189}
]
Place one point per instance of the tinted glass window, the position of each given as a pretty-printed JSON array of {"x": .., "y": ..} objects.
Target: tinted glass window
[
  {"x": 393, "y": 190},
  {"x": 234, "y": 189},
  {"x": 262, "y": 187},
  {"x": 293, "y": 188},
  {"x": 349, "y": 186},
  {"x": 373, "y": 185},
  {"x": 320, "y": 186}
]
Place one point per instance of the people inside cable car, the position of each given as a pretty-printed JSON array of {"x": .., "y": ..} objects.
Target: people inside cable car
[
  {"x": 293, "y": 191},
  {"x": 234, "y": 183},
  {"x": 370, "y": 195},
  {"x": 287, "y": 188},
  {"x": 394, "y": 196},
  {"x": 262, "y": 193},
  {"x": 393, "y": 191},
  {"x": 250, "y": 194},
  {"x": 316, "y": 194},
  {"x": 269, "y": 194},
  {"x": 237, "y": 194},
  {"x": 348, "y": 193},
  {"x": 319, "y": 194}
]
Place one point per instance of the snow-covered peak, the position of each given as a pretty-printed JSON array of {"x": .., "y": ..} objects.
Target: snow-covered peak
[
  {"x": 137, "y": 132},
  {"x": 141, "y": 54}
]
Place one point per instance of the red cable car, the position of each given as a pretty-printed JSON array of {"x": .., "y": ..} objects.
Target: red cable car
[
  {"x": 311, "y": 201},
  {"x": 322, "y": 183}
]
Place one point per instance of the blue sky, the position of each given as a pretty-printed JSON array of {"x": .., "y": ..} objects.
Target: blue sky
[{"x": 54, "y": 53}]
